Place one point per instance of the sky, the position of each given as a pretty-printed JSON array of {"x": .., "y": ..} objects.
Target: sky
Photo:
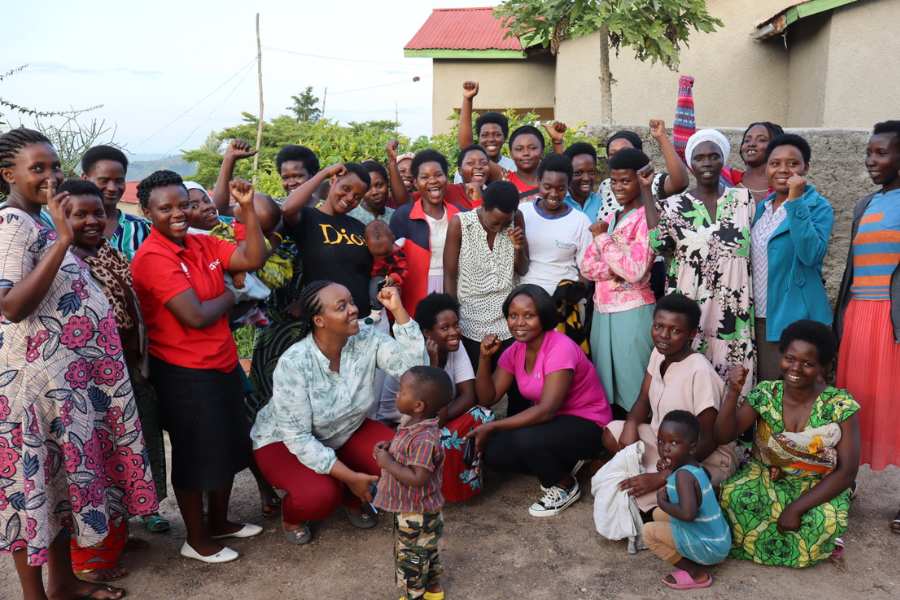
[{"x": 168, "y": 73}]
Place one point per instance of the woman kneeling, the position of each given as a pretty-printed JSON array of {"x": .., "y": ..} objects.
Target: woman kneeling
[
  {"x": 789, "y": 504},
  {"x": 565, "y": 425}
]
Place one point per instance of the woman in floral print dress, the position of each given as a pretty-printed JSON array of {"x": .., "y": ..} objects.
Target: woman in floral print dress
[
  {"x": 705, "y": 236},
  {"x": 72, "y": 456}
]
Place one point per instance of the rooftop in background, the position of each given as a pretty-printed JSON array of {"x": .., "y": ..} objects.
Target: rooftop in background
[
  {"x": 804, "y": 8},
  {"x": 463, "y": 33}
]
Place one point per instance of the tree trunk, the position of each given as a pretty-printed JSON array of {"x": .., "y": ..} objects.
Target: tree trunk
[{"x": 605, "y": 76}]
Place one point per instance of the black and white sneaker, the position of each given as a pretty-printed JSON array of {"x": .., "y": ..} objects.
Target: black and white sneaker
[{"x": 556, "y": 499}]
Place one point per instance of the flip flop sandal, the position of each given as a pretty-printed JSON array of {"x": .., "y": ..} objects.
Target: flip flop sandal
[
  {"x": 156, "y": 523},
  {"x": 838, "y": 547},
  {"x": 271, "y": 507},
  {"x": 684, "y": 581},
  {"x": 854, "y": 490},
  {"x": 434, "y": 595},
  {"x": 89, "y": 595}
]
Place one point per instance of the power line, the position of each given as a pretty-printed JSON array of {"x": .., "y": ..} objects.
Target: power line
[
  {"x": 248, "y": 70},
  {"x": 241, "y": 70},
  {"x": 357, "y": 61},
  {"x": 378, "y": 86}
]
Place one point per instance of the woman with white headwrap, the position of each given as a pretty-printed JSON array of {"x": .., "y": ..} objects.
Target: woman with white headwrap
[{"x": 705, "y": 236}]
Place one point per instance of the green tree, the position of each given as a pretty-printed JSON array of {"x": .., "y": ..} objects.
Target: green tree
[
  {"x": 304, "y": 107},
  {"x": 654, "y": 29}
]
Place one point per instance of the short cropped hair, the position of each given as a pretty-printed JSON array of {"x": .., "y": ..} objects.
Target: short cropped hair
[
  {"x": 628, "y": 158},
  {"x": 888, "y": 127},
  {"x": 526, "y": 129},
  {"x": 681, "y": 304},
  {"x": 687, "y": 420},
  {"x": 790, "y": 139},
  {"x": 375, "y": 167},
  {"x": 360, "y": 171},
  {"x": 428, "y": 155},
  {"x": 432, "y": 385},
  {"x": 579, "y": 148},
  {"x": 94, "y": 155},
  {"x": 555, "y": 163},
  {"x": 80, "y": 187},
  {"x": 502, "y": 196},
  {"x": 465, "y": 151},
  {"x": 492, "y": 117},
  {"x": 811, "y": 332},
  {"x": 300, "y": 154},
  {"x": 431, "y": 306},
  {"x": 546, "y": 309}
]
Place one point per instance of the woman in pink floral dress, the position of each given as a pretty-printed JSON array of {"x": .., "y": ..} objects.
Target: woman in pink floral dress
[{"x": 72, "y": 456}]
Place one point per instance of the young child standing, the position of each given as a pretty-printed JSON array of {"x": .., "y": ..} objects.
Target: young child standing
[
  {"x": 688, "y": 528},
  {"x": 410, "y": 485},
  {"x": 388, "y": 264}
]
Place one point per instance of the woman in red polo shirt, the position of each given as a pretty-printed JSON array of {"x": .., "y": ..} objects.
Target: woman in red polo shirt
[{"x": 179, "y": 279}]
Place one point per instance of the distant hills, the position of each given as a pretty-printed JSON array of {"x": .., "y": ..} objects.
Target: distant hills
[{"x": 139, "y": 169}]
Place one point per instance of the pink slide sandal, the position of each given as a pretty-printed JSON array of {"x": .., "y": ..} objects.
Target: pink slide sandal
[{"x": 683, "y": 581}]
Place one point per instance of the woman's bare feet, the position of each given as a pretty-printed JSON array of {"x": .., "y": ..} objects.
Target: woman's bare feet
[{"x": 102, "y": 575}]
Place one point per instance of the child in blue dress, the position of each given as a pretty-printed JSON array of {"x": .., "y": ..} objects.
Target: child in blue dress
[{"x": 688, "y": 528}]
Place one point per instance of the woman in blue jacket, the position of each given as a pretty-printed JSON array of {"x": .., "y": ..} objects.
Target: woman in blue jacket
[{"x": 788, "y": 243}]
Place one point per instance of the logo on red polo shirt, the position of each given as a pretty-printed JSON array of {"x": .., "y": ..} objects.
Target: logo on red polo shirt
[
  {"x": 185, "y": 269},
  {"x": 214, "y": 264}
]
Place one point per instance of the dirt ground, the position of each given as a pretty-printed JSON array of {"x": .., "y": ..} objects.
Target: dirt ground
[{"x": 493, "y": 549}]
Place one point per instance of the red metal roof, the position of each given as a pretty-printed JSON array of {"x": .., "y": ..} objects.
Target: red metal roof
[{"x": 462, "y": 29}]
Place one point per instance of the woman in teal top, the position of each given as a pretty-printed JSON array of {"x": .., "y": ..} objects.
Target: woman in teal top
[{"x": 788, "y": 243}]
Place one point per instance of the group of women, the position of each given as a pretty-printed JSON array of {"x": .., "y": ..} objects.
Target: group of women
[{"x": 99, "y": 355}]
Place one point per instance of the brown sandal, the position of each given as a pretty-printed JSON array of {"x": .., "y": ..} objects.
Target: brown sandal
[{"x": 271, "y": 507}]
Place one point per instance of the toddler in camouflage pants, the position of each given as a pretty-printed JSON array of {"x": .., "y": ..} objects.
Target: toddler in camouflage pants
[{"x": 410, "y": 485}]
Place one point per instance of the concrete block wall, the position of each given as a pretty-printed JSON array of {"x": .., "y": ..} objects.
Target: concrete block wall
[{"x": 837, "y": 170}]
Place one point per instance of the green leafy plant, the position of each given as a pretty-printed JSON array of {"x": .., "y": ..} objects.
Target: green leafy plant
[{"x": 654, "y": 29}]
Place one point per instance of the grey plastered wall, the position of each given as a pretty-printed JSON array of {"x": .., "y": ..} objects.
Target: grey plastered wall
[{"x": 837, "y": 170}]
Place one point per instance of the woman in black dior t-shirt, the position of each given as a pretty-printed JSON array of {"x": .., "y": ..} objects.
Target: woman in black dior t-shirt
[{"x": 330, "y": 243}]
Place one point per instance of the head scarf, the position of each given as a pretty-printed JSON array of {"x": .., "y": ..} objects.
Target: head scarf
[
  {"x": 708, "y": 135},
  {"x": 631, "y": 136},
  {"x": 193, "y": 185}
]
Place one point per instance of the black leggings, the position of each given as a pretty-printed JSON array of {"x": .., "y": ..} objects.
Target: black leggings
[
  {"x": 548, "y": 450},
  {"x": 515, "y": 402}
]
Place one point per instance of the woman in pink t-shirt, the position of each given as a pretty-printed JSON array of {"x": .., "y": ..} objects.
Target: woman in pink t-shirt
[{"x": 565, "y": 426}]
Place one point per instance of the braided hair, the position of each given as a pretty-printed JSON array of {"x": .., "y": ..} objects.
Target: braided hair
[
  {"x": 157, "y": 179},
  {"x": 310, "y": 305},
  {"x": 11, "y": 143}
]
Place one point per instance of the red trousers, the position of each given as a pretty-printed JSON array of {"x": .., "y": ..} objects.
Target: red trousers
[{"x": 313, "y": 497}]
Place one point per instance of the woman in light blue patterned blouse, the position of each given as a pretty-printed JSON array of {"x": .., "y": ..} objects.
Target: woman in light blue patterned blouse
[{"x": 313, "y": 438}]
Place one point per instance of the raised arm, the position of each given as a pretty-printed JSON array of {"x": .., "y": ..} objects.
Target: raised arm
[
  {"x": 470, "y": 90},
  {"x": 731, "y": 421},
  {"x": 252, "y": 254},
  {"x": 809, "y": 228},
  {"x": 557, "y": 132},
  {"x": 237, "y": 149},
  {"x": 451, "y": 255},
  {"x": 519, "y": 242},
  {"x": 20, "y": 298},
  {"x": 398, "y": 190},
  {"x": 677, "y": 181},
  {"x": 303, "y": 195}
]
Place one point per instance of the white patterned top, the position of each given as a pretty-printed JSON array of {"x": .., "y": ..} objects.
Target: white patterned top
[
  {"x": 484, "y": 279},
  {"x": 760, "y": 235}
]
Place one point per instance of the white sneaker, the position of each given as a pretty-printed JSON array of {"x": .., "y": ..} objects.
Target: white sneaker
[
  {"x": 556, "y": 499},
  {"x": 374, "y": 316}
]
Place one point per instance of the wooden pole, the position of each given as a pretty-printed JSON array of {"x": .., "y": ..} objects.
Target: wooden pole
[
  {"x": 605, "y": 77},
  {"x": 324, "y": 98},
  {"x": 260, "y": 128}
]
